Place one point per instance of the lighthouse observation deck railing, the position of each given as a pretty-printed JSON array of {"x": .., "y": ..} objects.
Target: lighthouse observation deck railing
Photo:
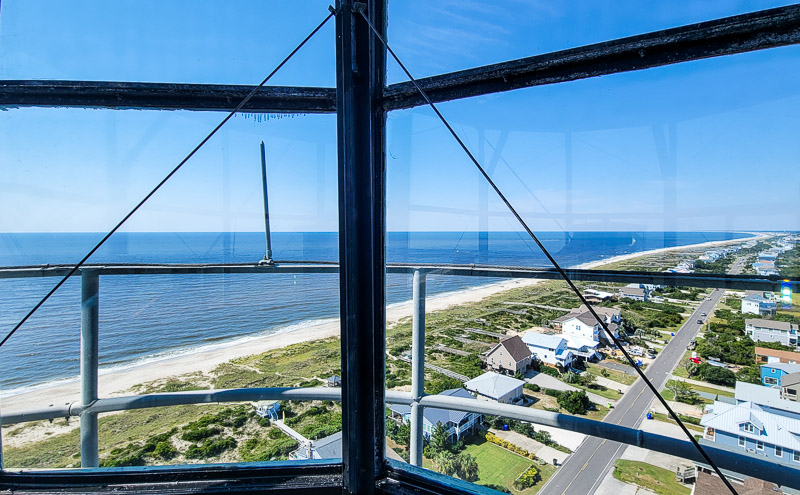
[{"x": 90, "y": 405}]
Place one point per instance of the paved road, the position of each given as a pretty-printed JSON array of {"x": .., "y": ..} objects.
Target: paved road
[{"x": 585, "y": 469}]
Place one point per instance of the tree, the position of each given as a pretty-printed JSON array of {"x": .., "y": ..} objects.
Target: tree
[
  {"x": 750, "y": 374},
  {"x": 403, "y": 434},
  {"x": 463, "y": 465},
  {"x": 570, "y": 377},
  {"x": 716, "y": 374},
  {"x": 440, "y": 440},
  {"x": 445, "y": 463},
  {"x": 575, "y": 401},
  {"x": 467, "y": 467},
  {"x": 683, "y": 393},
  {"x": 439, "y": 383}
]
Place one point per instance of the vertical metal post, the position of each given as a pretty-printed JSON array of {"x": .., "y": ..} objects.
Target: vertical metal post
[
  {"x": 268, "y": 256},
  {"x": 1, "y": 449},
  {"x": 360, "y": 74},
  {"x": 90, "y": 292},
  {"x": 417, "y": 366}
]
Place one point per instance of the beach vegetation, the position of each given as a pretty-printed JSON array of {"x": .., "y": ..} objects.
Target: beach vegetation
[
  {"x": 712, "y": 374},
  {"x": 682, "y": 392},
  {"x": 274, "y": 446},
  {"x": 211, "y": 447},
  {"x": 659, "y": 480}
]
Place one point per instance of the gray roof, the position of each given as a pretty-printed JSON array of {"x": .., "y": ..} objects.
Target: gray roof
[
  {"x": 432, "y": 415},
  {"x": 515, "y": 347},
  {"x": 785, "y": 367},
  {"x": 542, "y": 340},
  {"x": 329, "y": 447},
  {"x": 566, "y": 317},
  {"x": 779, "y": 325},
  {"x": 765, "y": 396},
  {"x": 493, "y": 385},
  {"x": 630, "y": 291},
  {"x": 790, "y": 379}
]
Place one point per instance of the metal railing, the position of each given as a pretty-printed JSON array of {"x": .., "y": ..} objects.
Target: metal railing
[{"x": 90, "y": 405}]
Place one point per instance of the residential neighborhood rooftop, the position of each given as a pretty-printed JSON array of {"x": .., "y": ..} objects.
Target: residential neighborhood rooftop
[{"x": 493, "y": 384}]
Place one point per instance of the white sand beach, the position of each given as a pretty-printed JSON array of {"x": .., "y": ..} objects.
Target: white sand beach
[{"x": 119, "y": 382}]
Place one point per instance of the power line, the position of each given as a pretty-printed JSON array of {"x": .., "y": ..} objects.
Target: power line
[
  {"x": 549, "y": 256},
  {"x": 163, "y": 181}
]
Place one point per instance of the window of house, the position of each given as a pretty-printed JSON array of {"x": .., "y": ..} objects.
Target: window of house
[
  {"x": 741, "y": 441},
  {"x": 796, "y": 456},
  {"x": 770, "y": 381},
  {"x": 778, "y": 451},
  {"x": 759, "y": 445}
]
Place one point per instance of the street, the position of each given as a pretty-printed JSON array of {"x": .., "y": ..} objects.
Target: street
[{"x": 585, "y": 469}]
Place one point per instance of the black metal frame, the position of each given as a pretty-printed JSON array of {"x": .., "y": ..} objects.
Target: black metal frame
[{"x": 361, "y": 100}]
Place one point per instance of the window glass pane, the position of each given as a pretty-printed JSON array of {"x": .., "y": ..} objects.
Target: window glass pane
[
  {"x": 646, "y": 171},
  {"x": 200, "y": 316},
  {"x": 235, "y": 42},
  {"x": 434, "y": 38}
]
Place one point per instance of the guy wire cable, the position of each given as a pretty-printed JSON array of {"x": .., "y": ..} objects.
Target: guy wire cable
[
  {"x": 165, "y": 179},
  {"x": 552, "y": 260}
]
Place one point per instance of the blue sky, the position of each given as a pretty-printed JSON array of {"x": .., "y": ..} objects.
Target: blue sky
[{"x": 707, "y": 145}]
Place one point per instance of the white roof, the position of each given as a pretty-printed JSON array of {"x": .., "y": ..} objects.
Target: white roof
[
  {"x": 535, "y": 339},
  {"x": 775, "y": 429},
  {"x": 574, "y": 342},
  {"x": 493, "y": 384}
]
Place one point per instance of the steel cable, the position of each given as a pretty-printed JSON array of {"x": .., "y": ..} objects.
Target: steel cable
[
  {"x": 164, "y": 180},
  {"x": 552, "y": 260}
]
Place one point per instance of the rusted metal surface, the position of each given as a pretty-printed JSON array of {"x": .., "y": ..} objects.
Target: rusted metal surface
[
  {"x": 165, "y": 96},
  {"x": 727, "y": 36}
]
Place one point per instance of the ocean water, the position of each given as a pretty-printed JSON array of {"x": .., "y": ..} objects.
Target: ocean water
[{"x": 147, "y": 318}]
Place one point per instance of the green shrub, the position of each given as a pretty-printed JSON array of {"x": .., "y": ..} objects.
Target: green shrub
[
  {"x": 532, "y": 386},
  {"x": 575, "y": 402},
  {"x": 165, "y": 450},
  {"x": 197, "y": 434},
  {"x": 266, "y": 449},
  {"x": 210, "y": 448},
  {"x": 527, "y": 479}
]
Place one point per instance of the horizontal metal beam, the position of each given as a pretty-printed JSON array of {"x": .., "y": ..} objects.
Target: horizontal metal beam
[
  {"x": 165, "y": 96},
  {"x": 727, "y": 460},
  {"x": 722, "y": 281},
  {"x": 309, "y": 477},
  {"x": 727, "y": 36}
]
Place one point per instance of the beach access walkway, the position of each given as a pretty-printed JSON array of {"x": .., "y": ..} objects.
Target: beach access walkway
[
  {"x": 439, "y": 369},
  {"x": 303, "y": 441}
]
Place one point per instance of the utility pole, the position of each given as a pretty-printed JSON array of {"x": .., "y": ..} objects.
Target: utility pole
[{"x": 268, "y": 255}]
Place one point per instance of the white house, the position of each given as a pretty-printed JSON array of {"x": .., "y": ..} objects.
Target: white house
[
  {"x": 584, "y": 326},
  {"x": 496, "y": 387},
  {"x": 756, "y": 303},
  {"x": 771, "y": 331},
  {"x": 633, "y": 291},
  {"x": 549, "y": 349}
]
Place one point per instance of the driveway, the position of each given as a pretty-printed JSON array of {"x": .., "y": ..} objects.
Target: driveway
[
  {"x": 541, "y": 450},
  {"x": 547, "y": 381}
]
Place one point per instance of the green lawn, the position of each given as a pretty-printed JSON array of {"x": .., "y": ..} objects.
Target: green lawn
[
  {"x": 659, "y": 480},
  {"x": 615, "y": 375},
  {"x": 668, "y": 419},
  {"x": 497, "y": 466},
  {"x": 667, "y": 394},
  {"x": 602, "y": 392}
]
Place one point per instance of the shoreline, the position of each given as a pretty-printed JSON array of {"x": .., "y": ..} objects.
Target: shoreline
[{"x": 119, "y": 381}]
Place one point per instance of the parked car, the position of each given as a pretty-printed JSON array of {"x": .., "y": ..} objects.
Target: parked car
[
  {"x": 696, "y": 360},
  {"x": 700, "y": 321}
]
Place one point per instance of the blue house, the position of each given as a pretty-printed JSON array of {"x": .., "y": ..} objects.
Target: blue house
[
  {"x": 457, "y": 423},
  {"x": 749, "y": 427},
  {"x": 772, "y": 373}
]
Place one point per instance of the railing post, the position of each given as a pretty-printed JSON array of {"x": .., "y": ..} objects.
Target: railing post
[
  {"x": 1, "y": 448},
  {"x": 90, "y": 293},
  {"x": 417, "y": 366}
]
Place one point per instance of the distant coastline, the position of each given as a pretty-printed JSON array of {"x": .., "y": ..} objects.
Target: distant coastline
[{"x": 116, "y": 381}]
